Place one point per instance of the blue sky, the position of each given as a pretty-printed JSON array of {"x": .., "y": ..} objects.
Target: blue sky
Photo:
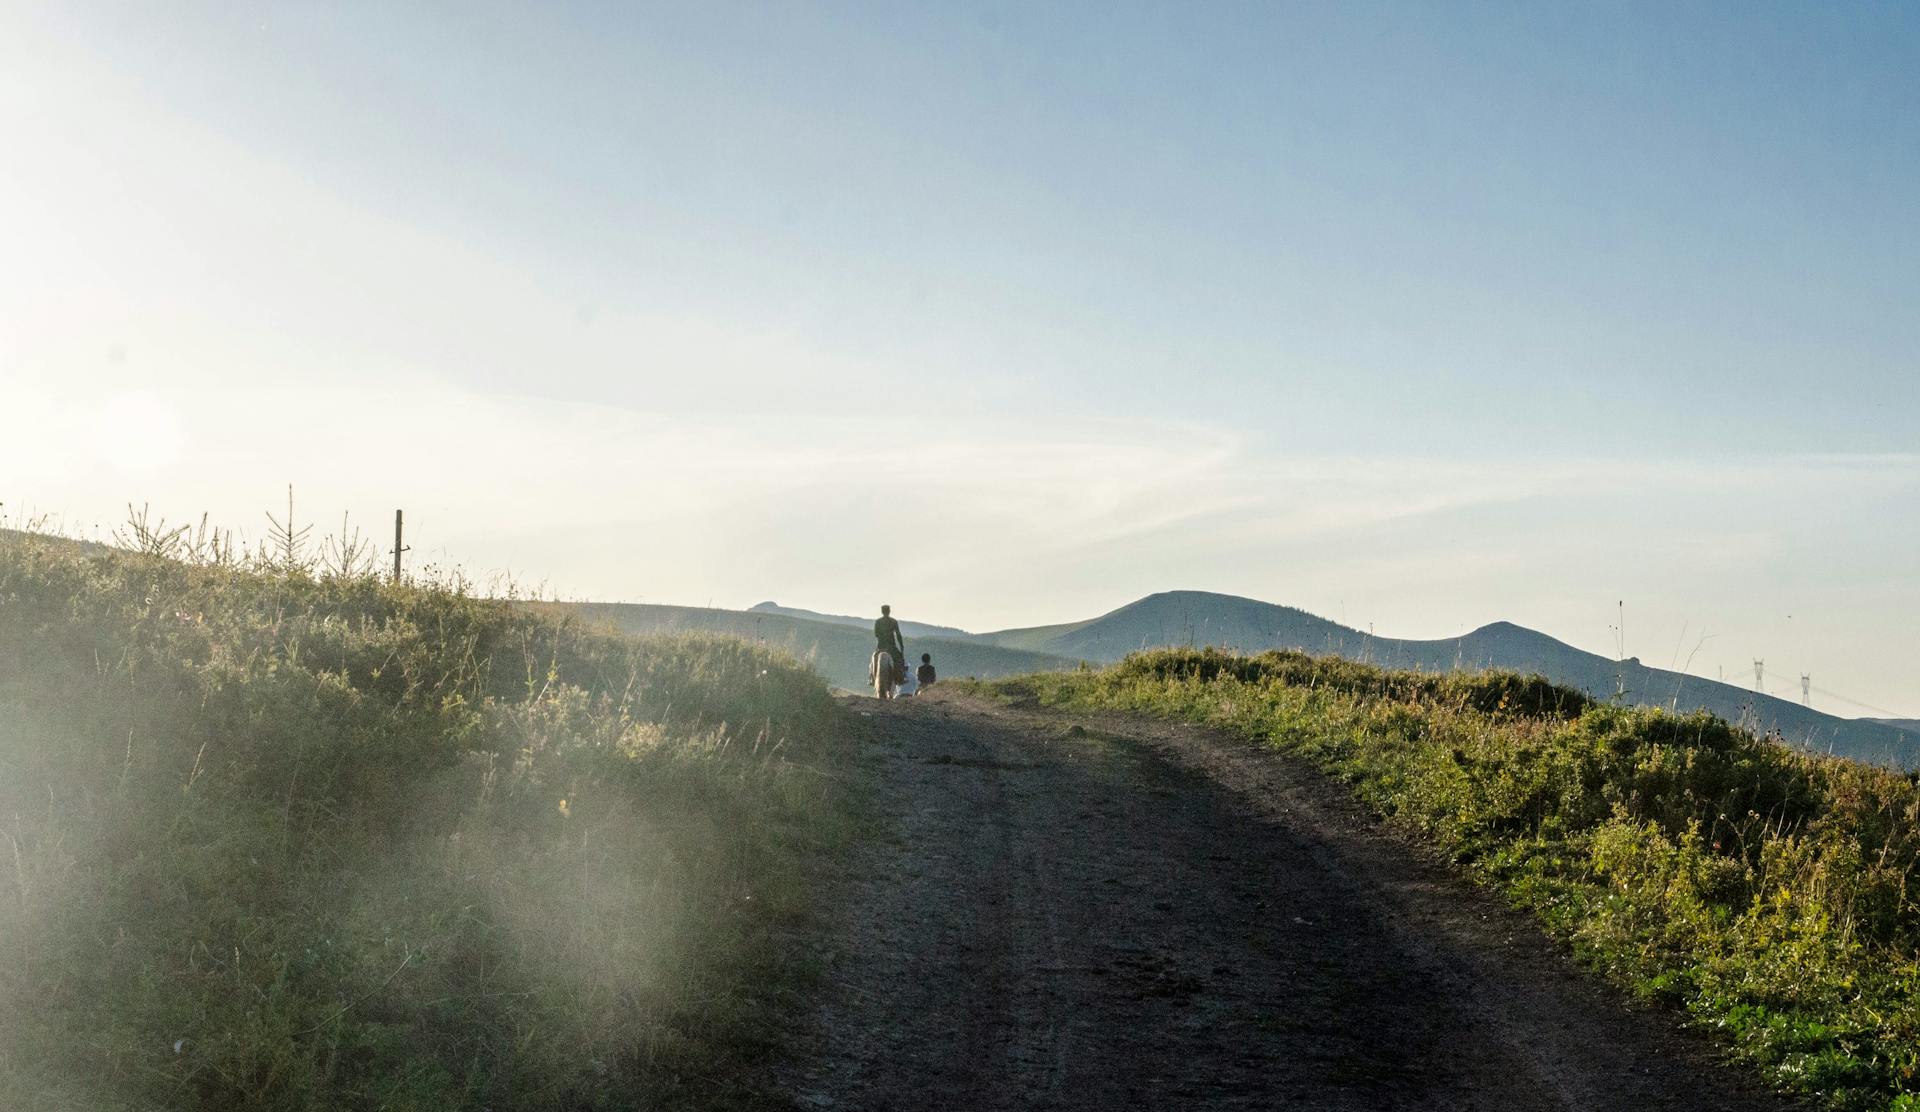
[{"x": 1419, "y": 315}]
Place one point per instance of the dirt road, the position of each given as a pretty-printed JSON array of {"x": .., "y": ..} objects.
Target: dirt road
[{"x": 1076, "y": 913}]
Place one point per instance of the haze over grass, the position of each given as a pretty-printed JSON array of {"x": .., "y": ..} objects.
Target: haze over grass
[{"x": 275, "y": 840}]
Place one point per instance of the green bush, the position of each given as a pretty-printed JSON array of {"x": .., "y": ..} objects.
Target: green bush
[
  {"x": 1772, "y": 894},
  {"x": 278, "y": 842},
  {"x": 1490, "y": 692}
]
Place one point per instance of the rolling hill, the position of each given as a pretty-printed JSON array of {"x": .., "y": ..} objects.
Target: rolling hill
[
  {"x": 1228, "y": 621},
  {"x": 839, "y": 645},
  {"x": 838, "y": 649},
  {"x": 907, "y": 629}
]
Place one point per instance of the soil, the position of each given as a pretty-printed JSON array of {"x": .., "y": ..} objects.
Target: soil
[{"x": 1073, "y": 912}]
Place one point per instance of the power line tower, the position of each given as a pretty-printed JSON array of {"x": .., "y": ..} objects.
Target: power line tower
[
  {"x": 1806, "y": 690},
  {"x": 1759, "y": 677}
]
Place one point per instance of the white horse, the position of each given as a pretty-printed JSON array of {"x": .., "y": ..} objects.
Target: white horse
[{"x": 880, "y": 671}]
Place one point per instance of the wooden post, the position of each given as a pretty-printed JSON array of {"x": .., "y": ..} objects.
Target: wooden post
[{"x": 397, "y": 548}]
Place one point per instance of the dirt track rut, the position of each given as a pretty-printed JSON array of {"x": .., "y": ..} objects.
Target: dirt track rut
[{"x": 1073, "y": 913}]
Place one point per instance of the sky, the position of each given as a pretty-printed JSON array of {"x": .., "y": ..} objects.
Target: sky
[{"x": 1415, "y": 316}]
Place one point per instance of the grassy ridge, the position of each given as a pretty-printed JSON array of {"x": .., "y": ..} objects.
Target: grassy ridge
[
  {"x": 285, "y": 842},
  {"x": 1773, "y": 895}
]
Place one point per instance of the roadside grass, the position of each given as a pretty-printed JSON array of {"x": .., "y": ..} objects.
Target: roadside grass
[
  {"x": 1775, "y": 896},
  {"x": 298, "y": 841}
]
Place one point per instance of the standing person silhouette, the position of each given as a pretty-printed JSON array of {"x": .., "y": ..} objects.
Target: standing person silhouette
[{"x": 886, "y": 632}]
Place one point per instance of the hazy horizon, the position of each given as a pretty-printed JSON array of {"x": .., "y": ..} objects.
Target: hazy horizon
[{"x": 1414, "y": 318}]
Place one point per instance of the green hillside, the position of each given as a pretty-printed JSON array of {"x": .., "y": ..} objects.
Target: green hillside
[
  {"x": 1051, "y": 638},
  {"x": 839, "y": 651},
  {"x": 281, "y": 842}
]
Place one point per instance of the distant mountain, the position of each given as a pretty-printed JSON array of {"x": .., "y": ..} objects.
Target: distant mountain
[
  {"x": 1911, "y": 725},
  {"x": 838, "y": 649},
  {"x": 1181, "y": 618},
  {"x": 907, "y": 629},
  {"x": 1228, "y": 621},
  {"x": 840, "y": 644}
]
